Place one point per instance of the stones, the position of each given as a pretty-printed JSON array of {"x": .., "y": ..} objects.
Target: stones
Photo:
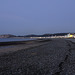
[{"x": 49, "y": 59}]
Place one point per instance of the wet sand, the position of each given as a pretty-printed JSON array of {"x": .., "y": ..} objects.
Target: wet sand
[
  {"x": 9, "y": 47},
  {"x": 55, "y": 57}
]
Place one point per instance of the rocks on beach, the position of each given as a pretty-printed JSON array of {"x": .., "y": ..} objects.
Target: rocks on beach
[{"x": 56, "y": 57}]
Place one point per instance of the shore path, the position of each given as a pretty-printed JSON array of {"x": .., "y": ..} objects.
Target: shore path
[{"x": 56, "y": 57}]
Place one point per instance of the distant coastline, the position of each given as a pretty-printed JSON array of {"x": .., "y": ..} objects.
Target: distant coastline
[{"x": 34, "y": 35}]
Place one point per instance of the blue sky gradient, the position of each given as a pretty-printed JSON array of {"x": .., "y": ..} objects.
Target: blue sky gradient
[{"x": 22, "y": 17}]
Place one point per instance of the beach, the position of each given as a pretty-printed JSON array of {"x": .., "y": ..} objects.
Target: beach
[{"x": 40, "y": 57}]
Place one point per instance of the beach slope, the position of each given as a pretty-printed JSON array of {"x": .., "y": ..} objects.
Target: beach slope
[{"x": 55, "y": 57}]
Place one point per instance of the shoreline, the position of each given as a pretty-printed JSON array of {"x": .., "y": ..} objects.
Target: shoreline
[
  {"x": 9, "y": 47},
  {"x": 22, "y": 42}
]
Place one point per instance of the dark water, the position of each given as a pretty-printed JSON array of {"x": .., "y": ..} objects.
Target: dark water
[{"x": 15, "y": 39}]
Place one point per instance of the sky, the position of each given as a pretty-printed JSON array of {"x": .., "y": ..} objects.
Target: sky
[{"x": 24, "y": 17}]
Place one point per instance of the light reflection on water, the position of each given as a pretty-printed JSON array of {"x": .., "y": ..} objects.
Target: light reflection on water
[{"x": 15, "y": 39}]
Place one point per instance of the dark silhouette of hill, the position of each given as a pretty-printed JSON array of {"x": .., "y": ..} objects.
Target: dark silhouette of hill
[
  {"x": 34, "y": 35},
  {"x": 7, "y": 36},
  {"x": 47, "y": 35}
]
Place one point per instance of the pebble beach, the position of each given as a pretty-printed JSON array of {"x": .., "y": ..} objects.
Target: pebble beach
[{"x": 54, "y": 57}]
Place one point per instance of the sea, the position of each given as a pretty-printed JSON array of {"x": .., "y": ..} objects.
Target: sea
[
  {"x": 22, "y": 39},
  {"x": 15, "y": 39}
]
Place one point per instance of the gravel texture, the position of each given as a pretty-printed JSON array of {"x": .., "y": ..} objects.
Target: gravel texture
[{"x": 56, "y": 57}]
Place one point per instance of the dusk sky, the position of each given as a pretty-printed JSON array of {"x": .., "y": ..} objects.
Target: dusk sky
[{"x": 23, "y": 17}]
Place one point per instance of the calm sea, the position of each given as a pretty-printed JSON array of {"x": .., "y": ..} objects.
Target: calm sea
[{"x": 14, "y": 39}]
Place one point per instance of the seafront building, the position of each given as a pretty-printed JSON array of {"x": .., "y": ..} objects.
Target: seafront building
[{"x": 70, "y": 35}]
